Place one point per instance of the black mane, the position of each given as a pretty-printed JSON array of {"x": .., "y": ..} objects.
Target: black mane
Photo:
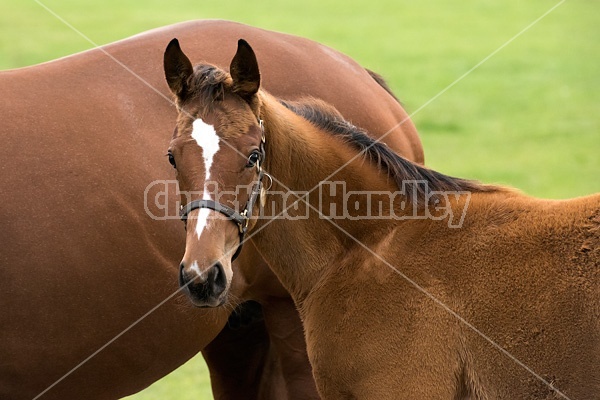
[{"x": 327, "y": 118}]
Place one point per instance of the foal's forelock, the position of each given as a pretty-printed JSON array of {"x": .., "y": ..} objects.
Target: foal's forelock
[{"x": 209, "y": 83}]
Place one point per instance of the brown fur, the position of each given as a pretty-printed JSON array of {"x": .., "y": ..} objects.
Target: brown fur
[
  {"x": 381, "y": 82},
  {"x": 79, "y": 258},
  {"x": 520, "y": 273}
]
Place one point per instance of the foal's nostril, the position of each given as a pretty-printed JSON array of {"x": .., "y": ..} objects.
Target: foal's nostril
[
  {"x": 217, "y": 278},
  {"x": 182, "y": 281},
  {"x": 205, "y": 288}
]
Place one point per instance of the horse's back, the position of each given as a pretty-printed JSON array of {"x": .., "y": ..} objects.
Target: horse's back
[{"x": 291, "y": 66}]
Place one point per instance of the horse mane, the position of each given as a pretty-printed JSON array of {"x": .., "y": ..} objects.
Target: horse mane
[{"x": 327, "y": 118}]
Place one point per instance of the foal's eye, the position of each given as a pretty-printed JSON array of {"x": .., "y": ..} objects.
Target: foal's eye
[
  {"x": 172, "y": 160},
  {"x": 253, "y": 159}
]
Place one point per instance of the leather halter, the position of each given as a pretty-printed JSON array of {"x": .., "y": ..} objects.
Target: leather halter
[{"x": 241, "y": 219}]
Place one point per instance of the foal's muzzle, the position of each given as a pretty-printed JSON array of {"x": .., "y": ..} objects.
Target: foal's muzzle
[{"x": 206, "y": 289}]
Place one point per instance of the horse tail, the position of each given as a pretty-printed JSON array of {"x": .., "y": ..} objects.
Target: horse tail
[{"x": 381, "y": 82}]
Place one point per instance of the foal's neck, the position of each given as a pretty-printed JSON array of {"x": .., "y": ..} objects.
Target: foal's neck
[{"x": 301, "y": 244}]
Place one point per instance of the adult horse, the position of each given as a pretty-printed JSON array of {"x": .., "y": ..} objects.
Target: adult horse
[
  {"x": 81, "y": 261},
  {"x": 467, "y": 291}
]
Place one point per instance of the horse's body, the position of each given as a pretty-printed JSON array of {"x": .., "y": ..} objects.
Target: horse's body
[
  {"x": 80, "y": 260},
  {"x": 412, "y": 307},
  {"x": 524, "y": 272}
]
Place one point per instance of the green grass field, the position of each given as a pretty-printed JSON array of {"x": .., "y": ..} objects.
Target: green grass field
[{"x": 527, "y": 117}]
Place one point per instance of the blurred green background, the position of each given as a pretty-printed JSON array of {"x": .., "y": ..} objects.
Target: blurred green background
[{"x": 528, "y": 117}]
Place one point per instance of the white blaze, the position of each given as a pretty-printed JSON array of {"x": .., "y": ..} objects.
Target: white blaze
[
  {"x": 196, "y": 268},
  {"x": 207, "y": 138}
]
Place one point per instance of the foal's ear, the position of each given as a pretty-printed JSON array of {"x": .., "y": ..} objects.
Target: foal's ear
[
  {"x": 244, "y": 71},
  {"x": 178, "y": 69}
]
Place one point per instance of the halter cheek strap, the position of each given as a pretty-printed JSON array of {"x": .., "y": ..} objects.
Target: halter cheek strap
[{"x": 241, "y": 219}]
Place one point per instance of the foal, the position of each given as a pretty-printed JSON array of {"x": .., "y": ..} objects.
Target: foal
[{"x": 452, "y": 290}]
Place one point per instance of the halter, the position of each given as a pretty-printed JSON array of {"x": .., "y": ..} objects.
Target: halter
[{"x": 241, "y": 219}]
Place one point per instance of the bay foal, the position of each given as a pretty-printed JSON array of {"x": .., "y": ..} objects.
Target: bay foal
[{"x": 463, "y": 290}]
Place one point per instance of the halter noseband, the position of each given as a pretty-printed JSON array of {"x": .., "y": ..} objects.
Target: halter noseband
[{"x": 241, "y": 219}]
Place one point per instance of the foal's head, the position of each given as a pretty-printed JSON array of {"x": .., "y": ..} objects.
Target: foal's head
[{"x": 217, "y": 150}]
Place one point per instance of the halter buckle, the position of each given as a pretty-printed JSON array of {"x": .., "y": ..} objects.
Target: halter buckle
[
  {"x": 262, "y": 131},
  {"x": 243, "y": 226}
]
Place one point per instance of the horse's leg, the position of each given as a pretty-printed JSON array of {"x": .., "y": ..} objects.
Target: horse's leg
[
  {"x": 287, "y": 337},
  {"x": 286, "y": 372},
  {"x": 240, "y": 359}
]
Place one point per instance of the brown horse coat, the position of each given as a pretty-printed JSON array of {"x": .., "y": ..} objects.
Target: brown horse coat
[
  {"x": 80, "y": 260},
  {"x": 468, "y": 291},
  {"x": 523, "y": 272}
]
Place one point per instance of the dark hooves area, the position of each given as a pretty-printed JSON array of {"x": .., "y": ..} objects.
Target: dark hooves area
[{"x": 245, "y": 314}]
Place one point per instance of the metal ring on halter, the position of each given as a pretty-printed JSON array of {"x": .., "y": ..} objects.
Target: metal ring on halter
[{"x": 270, "y": 181}]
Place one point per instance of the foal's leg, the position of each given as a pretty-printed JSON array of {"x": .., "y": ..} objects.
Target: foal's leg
[
  {"x": 287, "y": 338},
  {"x": 287, "y": 345}
]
